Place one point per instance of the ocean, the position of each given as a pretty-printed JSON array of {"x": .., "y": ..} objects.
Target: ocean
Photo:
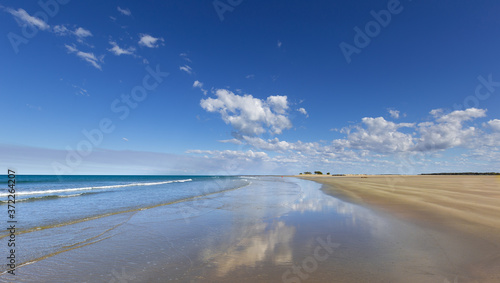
[
  {"x": 54, "y": 213},
  {"x": 46, "y": 201}
]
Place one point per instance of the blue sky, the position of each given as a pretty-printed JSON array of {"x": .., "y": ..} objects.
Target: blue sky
[{"x": 245, "y": 87}]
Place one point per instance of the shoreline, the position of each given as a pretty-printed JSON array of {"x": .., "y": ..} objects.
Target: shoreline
[
  {"x": 464, "y": 207},
  {"x": 267, "y": 231}
]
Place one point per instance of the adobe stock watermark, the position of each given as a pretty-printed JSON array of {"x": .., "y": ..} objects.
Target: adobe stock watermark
[
  {"x": 310, "y": 263},
  {"x": 198, "y": 205},
  {"x": 219, "y": 186},
  {"x": 121, "y": 277},
  {"x": 94, "y": 137},
  {"x": 484, "y": 89},
  {"x": 50, "y": 9},
  {"x": 372, "y": 29},
  {"x": 222, "y": 6}
]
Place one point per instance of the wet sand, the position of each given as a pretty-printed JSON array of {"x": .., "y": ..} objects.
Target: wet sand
[
  {"x": 467, "y": 208},
  {"x": 274, "y": 230}
]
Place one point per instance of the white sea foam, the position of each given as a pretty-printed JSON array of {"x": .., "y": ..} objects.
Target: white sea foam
[{"x": 25, "y": 193}]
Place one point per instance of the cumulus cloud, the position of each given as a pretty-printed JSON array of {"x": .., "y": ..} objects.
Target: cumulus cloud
[
  {"x": 379, "y": 135},
  {"x": 250, "y": 115},
  {"x": 150, "y": 41},
  {"x": 124, "y": 11},
  {"x": 117, "y": 50},
  {"x": 374, "y": 145},
  {"x": 23, "y": 18},
  {"x": 198, "y": 84},
  {"x": 303, "y": 111},
  {"x": 394, "y": 113},
  {"x": 86, "y": 56},
  {"x": 494, "y": 124},
  {"x": 448, "y": 131}
]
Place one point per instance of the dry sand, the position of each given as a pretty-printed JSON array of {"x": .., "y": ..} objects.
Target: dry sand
[{"x": 466, "y": 207}]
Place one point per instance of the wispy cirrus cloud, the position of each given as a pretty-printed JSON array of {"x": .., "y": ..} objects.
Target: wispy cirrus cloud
[
  {"x": 186, "y": 69},
  {"x": 124, "y": 11},
  {"x": 80, "y": 32},
  {"x": 185, "y": 57},
  {"x": 86, "y": 56},
  {"x": 23, "y": 18},
  {"x": 117, "y": 50},
  {"x": 34, "y": 107}
]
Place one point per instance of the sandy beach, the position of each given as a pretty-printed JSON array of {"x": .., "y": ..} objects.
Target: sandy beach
[
  {"x": 272, "y": 230},
  {"x": 465, "y": 207}
]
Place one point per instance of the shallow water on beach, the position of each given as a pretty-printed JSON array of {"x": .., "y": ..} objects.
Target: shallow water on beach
[{"x": 273, "y": 230}]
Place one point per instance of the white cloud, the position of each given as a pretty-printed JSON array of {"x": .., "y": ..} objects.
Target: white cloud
[
  {"x": 494, "y": 124},
  {"x": 249, "y": 115},
  {"x": 34, "y": 107},
  {"x": 186, "y": 69},
  {"x": 279, "y": 44},
  {"x": 61, "y": 30},
  {"x": 269, "y": 145},
  {"x": 125, "y": 11},
  {"x": 278, "y": 103},
  {"x": 449, "y": 131},
  {"x": 117, "y": 50},
  {"x": 23, "y": 18},
  {"x": 87, "y": 56},
  {"x": 375, "y": 145},
  {"x": 71, "y": 48},
  {"x": 378, "y": 135},
  {"x": 231, "y": 154},
  {"x": 150, "y": 41},
  {"x": 235, "y": 141},
  {"x": 303, "y": 111},
  {"x": 251, "y": 76},
  {"x": 184, "y": 56},
  {"x": 82, "y": 33},
  {"x": 199, "y": 85},
  {"x": 394, "y": 113},
  {"x": 80, "y": 90}
]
